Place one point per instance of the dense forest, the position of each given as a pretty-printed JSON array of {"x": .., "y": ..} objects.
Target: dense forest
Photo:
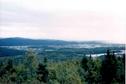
[{"x": 109, "y": 69}]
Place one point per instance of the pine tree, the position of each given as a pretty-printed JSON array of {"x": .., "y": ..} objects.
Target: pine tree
[
  {"x": 108, "y": 70},
  {"x": 42, "y": 73},
  {"x": 91, "y": 69},
  {"x": 31, "y": 63},
  {"x": 84, "y": 63},
  {"x": 120, "y": 76}
]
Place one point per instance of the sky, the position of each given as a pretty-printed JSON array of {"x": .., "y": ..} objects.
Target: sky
[{"x": 76, "y": 20}]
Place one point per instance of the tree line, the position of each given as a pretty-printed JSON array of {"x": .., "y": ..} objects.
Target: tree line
[{"x": 109, "y": 69}]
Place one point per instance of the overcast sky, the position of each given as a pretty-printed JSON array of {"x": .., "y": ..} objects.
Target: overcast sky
[{"x": 64, "y": 19}]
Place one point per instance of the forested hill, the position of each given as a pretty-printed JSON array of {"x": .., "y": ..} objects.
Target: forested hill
[{"x": 25, "y": 41}]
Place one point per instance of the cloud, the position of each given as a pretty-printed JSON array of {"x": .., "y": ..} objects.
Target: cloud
[{"x": 64, "y": 19}]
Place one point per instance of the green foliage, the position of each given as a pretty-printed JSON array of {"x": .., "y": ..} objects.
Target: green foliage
[
  {"x": 31, "y": 63},
  {"x": 89, "y": 70},
  {"x": 64, "y": 73},
  {"x": 109, "y": 68},
  {"x": 120, "y": 74},
  {"x": 42, "y": 73}
]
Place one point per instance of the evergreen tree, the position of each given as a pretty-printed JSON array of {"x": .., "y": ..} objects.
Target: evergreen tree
[
  {"x": 84, "y": 63},
  {"x": 120, "y": 76},
  {"x": 8, "y": 72},
  {"x": 2, "y": 70},
  {"x": 90, "y": 73},
  {"x": 31, "y": 63},
  {"x": 9, "y": 65},
  {"x": 91, "y": 70},
  {"x": 42, "y": 73},
  {"x": 108, "y": 70}
]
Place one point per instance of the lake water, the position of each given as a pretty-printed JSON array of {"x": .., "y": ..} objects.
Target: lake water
[{"x": 101, "y": 54}]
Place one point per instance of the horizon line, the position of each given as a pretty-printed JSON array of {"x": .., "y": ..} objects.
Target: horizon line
[{"x": 105, "y": 41}]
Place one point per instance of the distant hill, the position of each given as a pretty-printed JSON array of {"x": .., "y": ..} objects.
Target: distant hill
[
  {"x": 46, "y": 42},
  {"x": 25, "y": 41}
]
